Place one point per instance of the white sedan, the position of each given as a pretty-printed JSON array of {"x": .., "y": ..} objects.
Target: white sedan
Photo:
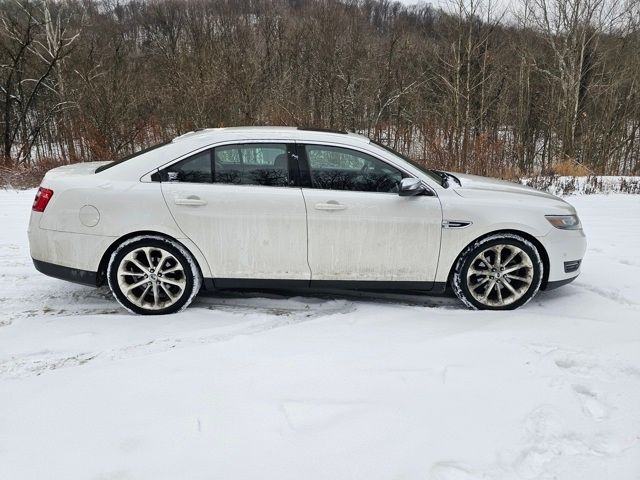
[{"x": 283, "y": 207}]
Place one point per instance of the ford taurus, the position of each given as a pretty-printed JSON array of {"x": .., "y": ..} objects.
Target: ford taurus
[{"x": 267, "y": 207}]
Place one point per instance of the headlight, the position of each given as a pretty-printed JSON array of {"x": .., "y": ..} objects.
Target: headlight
[{"x": 564, "y": 222}]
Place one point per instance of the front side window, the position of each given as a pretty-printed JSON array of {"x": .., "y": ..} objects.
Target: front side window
[
  {"x": 335, "y": 168},
  {"x": 252, "y": 164},
  {"x": 431, "y": 173}
]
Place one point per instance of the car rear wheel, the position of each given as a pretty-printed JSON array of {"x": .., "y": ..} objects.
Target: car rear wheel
[
  {"x": 153, "y": 275},
  {"x": 499, "y": 272}
]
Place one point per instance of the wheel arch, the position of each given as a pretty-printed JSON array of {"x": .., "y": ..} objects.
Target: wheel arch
[
  {"x": 101, "y": 278},
  {"x": 544, "y": 256}
]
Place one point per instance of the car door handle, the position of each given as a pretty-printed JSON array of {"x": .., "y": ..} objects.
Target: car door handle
[
  {"x": 330, "y": 205},
  {"x": 191, "y": 200}
]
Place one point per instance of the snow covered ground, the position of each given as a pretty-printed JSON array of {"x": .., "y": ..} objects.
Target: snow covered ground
[
  {"x": 562, "y": 185},
  {"x": 256, "y": 386}
]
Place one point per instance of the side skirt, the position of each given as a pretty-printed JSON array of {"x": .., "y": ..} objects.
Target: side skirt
[{"x": 431, "y": 288}]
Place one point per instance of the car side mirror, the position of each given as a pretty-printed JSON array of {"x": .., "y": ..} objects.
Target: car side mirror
[{"x": 410, "y": 187}]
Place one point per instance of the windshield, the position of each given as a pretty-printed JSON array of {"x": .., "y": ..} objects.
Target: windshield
[
  {"x": 434, "y": 176},
  {"x": 129, "y": 157}
]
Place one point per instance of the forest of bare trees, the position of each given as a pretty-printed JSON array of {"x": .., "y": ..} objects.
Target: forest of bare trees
[{"x": 552, "y": 86}]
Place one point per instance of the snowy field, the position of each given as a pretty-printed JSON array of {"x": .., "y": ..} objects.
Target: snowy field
[{"x": 264, "y": 386}]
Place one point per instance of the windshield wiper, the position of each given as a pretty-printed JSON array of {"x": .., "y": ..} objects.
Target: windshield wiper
[
  {"x": 455, "y": 178},
  {"x": 445, "y": 176},
  {"x": 444, "y": 181}
]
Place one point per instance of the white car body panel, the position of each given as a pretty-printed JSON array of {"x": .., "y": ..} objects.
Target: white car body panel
[
  {"x": 245, "y": 231},
  {"x": 272, "y": 233},
  {"x": 496, "y": 205},
  {"x": 67, "y": 249},
  {"x": 84, "y": 251},
  {"x": 374, "y": 237},
  {"x": 58, "y": 235}
]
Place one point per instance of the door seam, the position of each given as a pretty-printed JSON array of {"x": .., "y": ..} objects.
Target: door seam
[
  {"x": 306, "y": 211},
  {"x": 166, "y": 204}
]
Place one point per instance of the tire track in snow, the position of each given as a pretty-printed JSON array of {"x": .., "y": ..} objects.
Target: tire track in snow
[
  {"x": 36, "y": 364},
  {"x": 548, "y": 436},
  {"x": 608, "y": 294},
  {"x": 548, "y": 439}
]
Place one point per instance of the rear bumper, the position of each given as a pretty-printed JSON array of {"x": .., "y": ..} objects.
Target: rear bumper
[
  {"x": 69, "y": 274},
  {"x": 78, "y": 251}
]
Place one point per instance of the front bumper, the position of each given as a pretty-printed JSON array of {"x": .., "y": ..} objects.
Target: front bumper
[
  {"x": 558, "y": 283},
  {"x": 565, "y": 249}
]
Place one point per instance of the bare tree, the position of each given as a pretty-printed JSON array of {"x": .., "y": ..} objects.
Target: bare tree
[
  {"x": 461, "y": 88},
  {"x": 32, "y": 43}
]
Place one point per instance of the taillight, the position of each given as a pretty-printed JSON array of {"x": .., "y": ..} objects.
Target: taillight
[{"x": 42, "y": 199}]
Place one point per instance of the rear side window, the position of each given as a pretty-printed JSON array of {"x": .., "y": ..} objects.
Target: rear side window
[
  {"x": 252, "y": 164},
  {"x": 195, "y": 169},
  {"x": 246, "y": 164}
]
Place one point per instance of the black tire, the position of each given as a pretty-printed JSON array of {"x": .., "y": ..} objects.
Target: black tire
[
  {"x": 185, "y": 275},
  {"x": 492, "y": 277}
]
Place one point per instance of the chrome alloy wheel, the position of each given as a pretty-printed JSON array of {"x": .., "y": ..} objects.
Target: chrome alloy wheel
[
  {"x": 500, "y": 275},
  {"x": 151, "y": 278}
]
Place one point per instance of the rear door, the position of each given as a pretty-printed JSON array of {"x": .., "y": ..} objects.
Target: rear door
[
  {"x": 360, "y": 229},
  {"x": 239, "y": 204}
]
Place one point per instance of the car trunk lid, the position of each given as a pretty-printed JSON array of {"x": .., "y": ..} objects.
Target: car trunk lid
[{"x": 75, "y": 169}]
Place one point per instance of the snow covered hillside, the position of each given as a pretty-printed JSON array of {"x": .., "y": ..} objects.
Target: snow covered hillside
[{"x": 244, "y": 386}]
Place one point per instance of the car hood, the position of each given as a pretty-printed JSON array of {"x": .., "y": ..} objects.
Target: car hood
[{"x": 474, "y": 183}]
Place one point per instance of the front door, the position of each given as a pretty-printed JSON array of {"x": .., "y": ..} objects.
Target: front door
[
  {"x": 360, "y": 229},
  {"x": 238, "y": 205}
]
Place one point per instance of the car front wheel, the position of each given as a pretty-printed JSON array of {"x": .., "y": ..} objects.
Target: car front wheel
[
  {"x": 153, "y": 275},
  {"x": 499, "y": 272}
]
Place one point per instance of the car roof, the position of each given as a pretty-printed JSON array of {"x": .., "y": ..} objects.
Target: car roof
[
  {"x": 269, "y": 133},
  {"x": 142, "y": 163}
]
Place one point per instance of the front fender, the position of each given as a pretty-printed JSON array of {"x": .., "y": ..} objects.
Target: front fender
[{"x": 456, "y": 240}]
